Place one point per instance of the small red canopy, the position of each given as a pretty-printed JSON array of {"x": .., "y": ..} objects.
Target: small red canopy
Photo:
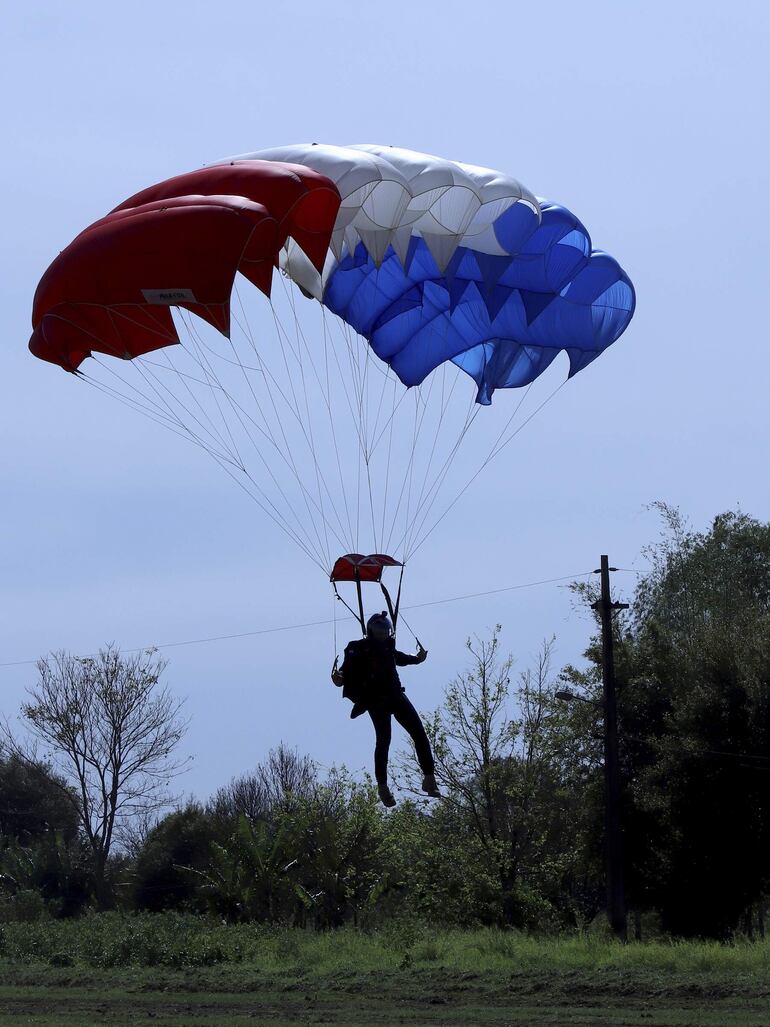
[{"x": 355, "y": 567}]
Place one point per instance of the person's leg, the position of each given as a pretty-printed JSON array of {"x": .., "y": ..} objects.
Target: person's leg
[
  {"x": 381, "y": 720},
  {"x": 409, "y": 719}
]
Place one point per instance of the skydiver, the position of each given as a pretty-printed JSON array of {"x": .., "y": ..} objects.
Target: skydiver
[{"x": 370, "y": 680}]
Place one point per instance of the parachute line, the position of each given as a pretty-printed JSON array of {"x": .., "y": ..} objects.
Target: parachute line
[
  {"x": 493, "y": 453},
  {"x": 309, "y": 399}
]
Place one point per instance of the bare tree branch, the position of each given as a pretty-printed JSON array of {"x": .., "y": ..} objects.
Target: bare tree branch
[{"x": 110, "y": 729}]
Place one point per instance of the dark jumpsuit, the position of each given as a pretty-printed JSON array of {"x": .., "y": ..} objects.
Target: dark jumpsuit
[{"x": 371, "y": 681}]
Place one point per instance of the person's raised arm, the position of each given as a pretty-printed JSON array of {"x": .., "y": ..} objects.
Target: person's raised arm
[{"x": 406, "y": 660}]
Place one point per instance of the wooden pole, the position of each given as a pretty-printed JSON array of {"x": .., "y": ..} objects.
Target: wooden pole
[{"x": 616, "y": 894}]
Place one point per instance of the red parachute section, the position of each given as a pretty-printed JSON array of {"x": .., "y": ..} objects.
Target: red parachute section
[
  {"x": 355, "y": 567},
  {"x": 178, "y": 243}
]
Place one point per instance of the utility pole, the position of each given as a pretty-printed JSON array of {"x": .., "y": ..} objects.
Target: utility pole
[{"x": 616, "y": 893}]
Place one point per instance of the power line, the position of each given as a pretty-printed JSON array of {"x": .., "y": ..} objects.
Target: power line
[
  {"x": 330, "y": 620},
  {"x": 496, "y": 591}
]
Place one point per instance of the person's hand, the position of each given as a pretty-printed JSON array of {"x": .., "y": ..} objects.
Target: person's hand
[
  {"x": 337, "y": 675},
  {"x": 422, "y": 654}
]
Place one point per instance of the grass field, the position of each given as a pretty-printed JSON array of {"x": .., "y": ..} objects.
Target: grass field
[{"x": 180, "y": 970}]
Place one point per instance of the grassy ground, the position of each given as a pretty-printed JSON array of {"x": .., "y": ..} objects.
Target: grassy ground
[{"x": 176, "y": 971}]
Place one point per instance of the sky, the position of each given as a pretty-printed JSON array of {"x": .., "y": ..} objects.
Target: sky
[{"x": 648, "y": 120}]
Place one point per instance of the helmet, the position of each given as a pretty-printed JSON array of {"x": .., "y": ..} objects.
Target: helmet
[{"x": 379, "y": 627}]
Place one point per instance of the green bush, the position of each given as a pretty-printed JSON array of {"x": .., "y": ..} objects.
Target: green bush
[
  {"x": 164, "y": 872},
  {"x": 25, "y": 906},
  {"x": 113, "y": 940}
]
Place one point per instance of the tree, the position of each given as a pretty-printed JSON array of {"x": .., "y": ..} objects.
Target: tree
[
  {"x": 697, "y": 706},
  {"x": 49, "y": 872},
  {"x": 435, "y": 869},
  {"x": 275, "y": 784},
  {"x": 340, "y": 833},
  {"x": 252, "y": 875},
  {"x": 110, "y": 729},
  {"x": 179, "y": 842},
  {"x": 693, "y": 672},
  {"x": 502, "y": 773},
  {"x": 32, "y": 803}
]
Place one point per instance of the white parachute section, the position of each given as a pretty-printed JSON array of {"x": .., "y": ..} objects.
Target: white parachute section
[{"x": 390, "y": 194}]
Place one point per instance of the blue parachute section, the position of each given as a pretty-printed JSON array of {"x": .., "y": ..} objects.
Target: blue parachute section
[{"x": 502, "y": 319}]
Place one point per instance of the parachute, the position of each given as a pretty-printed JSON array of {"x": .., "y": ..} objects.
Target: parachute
[{"x": 345, "y": 422}]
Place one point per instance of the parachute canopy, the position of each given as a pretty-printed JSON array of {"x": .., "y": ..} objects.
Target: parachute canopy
[
  {"x": 428, "y": 259},
  {"x": 446, "y": 272}
]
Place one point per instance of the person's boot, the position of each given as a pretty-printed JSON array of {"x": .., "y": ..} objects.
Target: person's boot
[
  {"x": 386, "y": 796},
  {"x": 430, "y": 787},
  {"x": 358, "y": 709}
]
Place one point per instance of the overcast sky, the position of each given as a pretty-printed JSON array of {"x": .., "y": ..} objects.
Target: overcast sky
[{"x": 648, "y": 120}]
